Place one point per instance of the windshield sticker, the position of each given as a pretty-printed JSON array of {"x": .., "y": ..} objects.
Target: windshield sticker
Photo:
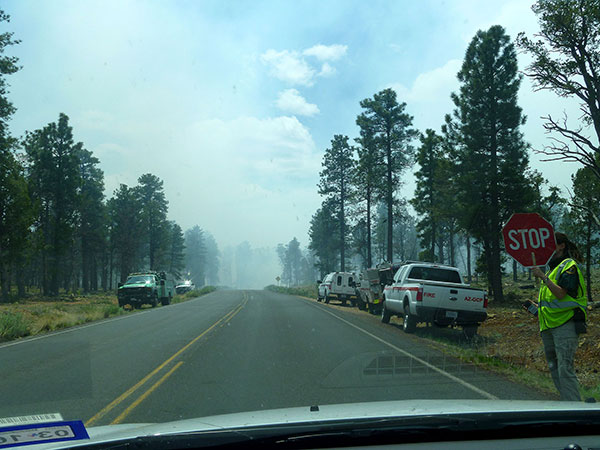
[
  {"x": 38, "y": 418},
  {"x": 42, "y": 433}
]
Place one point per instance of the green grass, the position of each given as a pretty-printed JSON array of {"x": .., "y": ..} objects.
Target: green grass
[
  {"x": 12, "y": 326},
  {"x": 303, "y": 291}
]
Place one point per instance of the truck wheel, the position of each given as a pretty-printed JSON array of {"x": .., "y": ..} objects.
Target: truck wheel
[
  {"x": 154, "y": 301},
  {"x": 385, "y": 314},
  {"x": 327, "y": 298},
  {"x": 410, "y": 322},
  {"x": 361, "y": 304},
  {"x": 343, "y": 302},
  {"x": 470, "y": 331},
  {"x": 165, "y": 301}
]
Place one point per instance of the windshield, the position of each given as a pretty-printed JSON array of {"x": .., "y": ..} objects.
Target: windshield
[
  {"x": 434, "y": 274},
  {"x": 139, "y": 280},
  {"x": 224, "y": 156}
]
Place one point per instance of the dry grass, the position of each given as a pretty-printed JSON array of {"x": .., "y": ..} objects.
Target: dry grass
[
  {"x": 38, "y": 314},
  {"x": 41, "y": 314}
]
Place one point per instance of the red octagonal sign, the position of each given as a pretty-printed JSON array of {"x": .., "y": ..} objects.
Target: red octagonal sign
[{"x": 529, "y": 238}]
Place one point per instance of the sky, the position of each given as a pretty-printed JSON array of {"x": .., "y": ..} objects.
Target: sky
[{"x": 233, "y": 103}]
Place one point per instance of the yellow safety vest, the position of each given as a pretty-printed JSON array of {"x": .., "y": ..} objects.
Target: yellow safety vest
[{"x": 553, "y": 312}]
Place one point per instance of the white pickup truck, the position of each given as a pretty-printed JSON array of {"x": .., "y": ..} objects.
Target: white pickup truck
[{"x": 436, "y": 294}]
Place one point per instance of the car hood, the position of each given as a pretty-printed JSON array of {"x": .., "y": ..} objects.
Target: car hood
[
  {"x": 321, "y": 414},
  {"x": 136, "y": 285}
]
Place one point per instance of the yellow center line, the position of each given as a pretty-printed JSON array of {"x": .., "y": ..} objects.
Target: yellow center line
[
  {"x": 142, "y": 397},
  {"x": 135, "y": 387}
]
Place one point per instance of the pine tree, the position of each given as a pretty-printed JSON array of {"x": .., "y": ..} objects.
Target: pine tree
[
  {"x": 428, "y": 192},
  {"x": 335, "y": 185},
  {"x": 324, "y": 237},
  {"x": 54, "y": 180},
  {"x": 154, "y": 208},
  {"x": 195, "y": 255},
  {"x": 125, "y": 230},
  {"x": 490, "y": 156},
  {"x": 391, "y": 127},
  {"x": 367, "y": 180},
  {"x": 582, "y": 223},
  {"x": 213, "y": 256},
  {"x": 176, "y": 254},
  {"x": 16, "y": 214},
  {"x": 92, "y": 226}
]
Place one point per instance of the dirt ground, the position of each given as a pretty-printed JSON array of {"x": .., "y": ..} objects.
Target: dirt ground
[{"x": 513, "y": 336}]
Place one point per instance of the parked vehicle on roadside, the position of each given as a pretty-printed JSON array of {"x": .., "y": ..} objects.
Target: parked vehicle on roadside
[
  {"x": 435, "y": 294},
  {"x": 338, "y": 285},
  {"x": 146, "y": 288},
  {"x": 369, "y": 288},
  {"x": 184, "y": 287}
]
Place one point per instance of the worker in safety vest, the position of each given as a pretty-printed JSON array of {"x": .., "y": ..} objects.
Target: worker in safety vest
[{"x": 562, "y": 311}]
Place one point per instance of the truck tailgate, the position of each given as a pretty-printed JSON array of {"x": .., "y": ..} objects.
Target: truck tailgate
[{"x": 458, "y": 298}]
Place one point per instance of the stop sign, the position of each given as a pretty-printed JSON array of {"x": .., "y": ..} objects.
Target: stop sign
[{"x": 529, "y": 238}]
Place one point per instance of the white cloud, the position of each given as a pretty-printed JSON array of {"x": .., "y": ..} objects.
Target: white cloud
[
  {"x": 326, "y": 70},
  {"x": 289, "y": 66},
  {"x": 428, "y": 99},
  {"x": 326, "y": 52},
  {"x": 292, "y": 102}
]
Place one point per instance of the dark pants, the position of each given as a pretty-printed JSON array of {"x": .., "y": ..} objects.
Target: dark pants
[{"x": 560, "y": 344}]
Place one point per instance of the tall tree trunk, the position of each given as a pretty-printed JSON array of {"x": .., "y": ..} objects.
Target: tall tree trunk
[
  {"x": 451, "y": 245},
  {"x": 20, "y": 275},
  {"x": 433, "y": 240},
  {"x": 85, "y": 266},
  {"x": 94, "y": 273},
  {"x": 390, "y": 201},
  {"x": 469, "y": 275},
  {"x": 369, "y": 255},
  {"x": 342, "y": 230},
  {"x": 4, "y": 281},
  {"x": 488, "y": 262},
  {"x": 588, "y": 256},
  {"x": 495, "y": 228},
  {"x": 111, "y": 259}
]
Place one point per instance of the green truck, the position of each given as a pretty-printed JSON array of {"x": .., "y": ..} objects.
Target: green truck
[{"x": 146, "y": 288}]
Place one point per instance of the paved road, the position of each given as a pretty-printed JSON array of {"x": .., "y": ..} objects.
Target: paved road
[{"x": 230, "y": 351}]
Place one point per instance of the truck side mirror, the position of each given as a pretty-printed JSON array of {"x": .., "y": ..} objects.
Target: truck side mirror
[
  {"x": 319, "y": 281},
  {"x": 119, "y": 285},
  {"x": 353, "y": 284}
]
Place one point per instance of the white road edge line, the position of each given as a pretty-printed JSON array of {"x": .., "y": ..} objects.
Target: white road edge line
[
  {"x": 410, "y": 355},
  {"x": 93, "y": 324}
]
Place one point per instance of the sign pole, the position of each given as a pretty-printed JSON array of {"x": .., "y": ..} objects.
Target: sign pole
[{"x": 537, "y": 280}]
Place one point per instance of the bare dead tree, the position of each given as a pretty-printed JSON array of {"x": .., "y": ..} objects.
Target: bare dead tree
[{"x": 566, "y": 60}]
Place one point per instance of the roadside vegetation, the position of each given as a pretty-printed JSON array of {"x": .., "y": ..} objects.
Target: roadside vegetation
[
  {"x": 39, "y": 314},
  {"x": 193, "y": 294},
  {"x": 303, "y": 291}
]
